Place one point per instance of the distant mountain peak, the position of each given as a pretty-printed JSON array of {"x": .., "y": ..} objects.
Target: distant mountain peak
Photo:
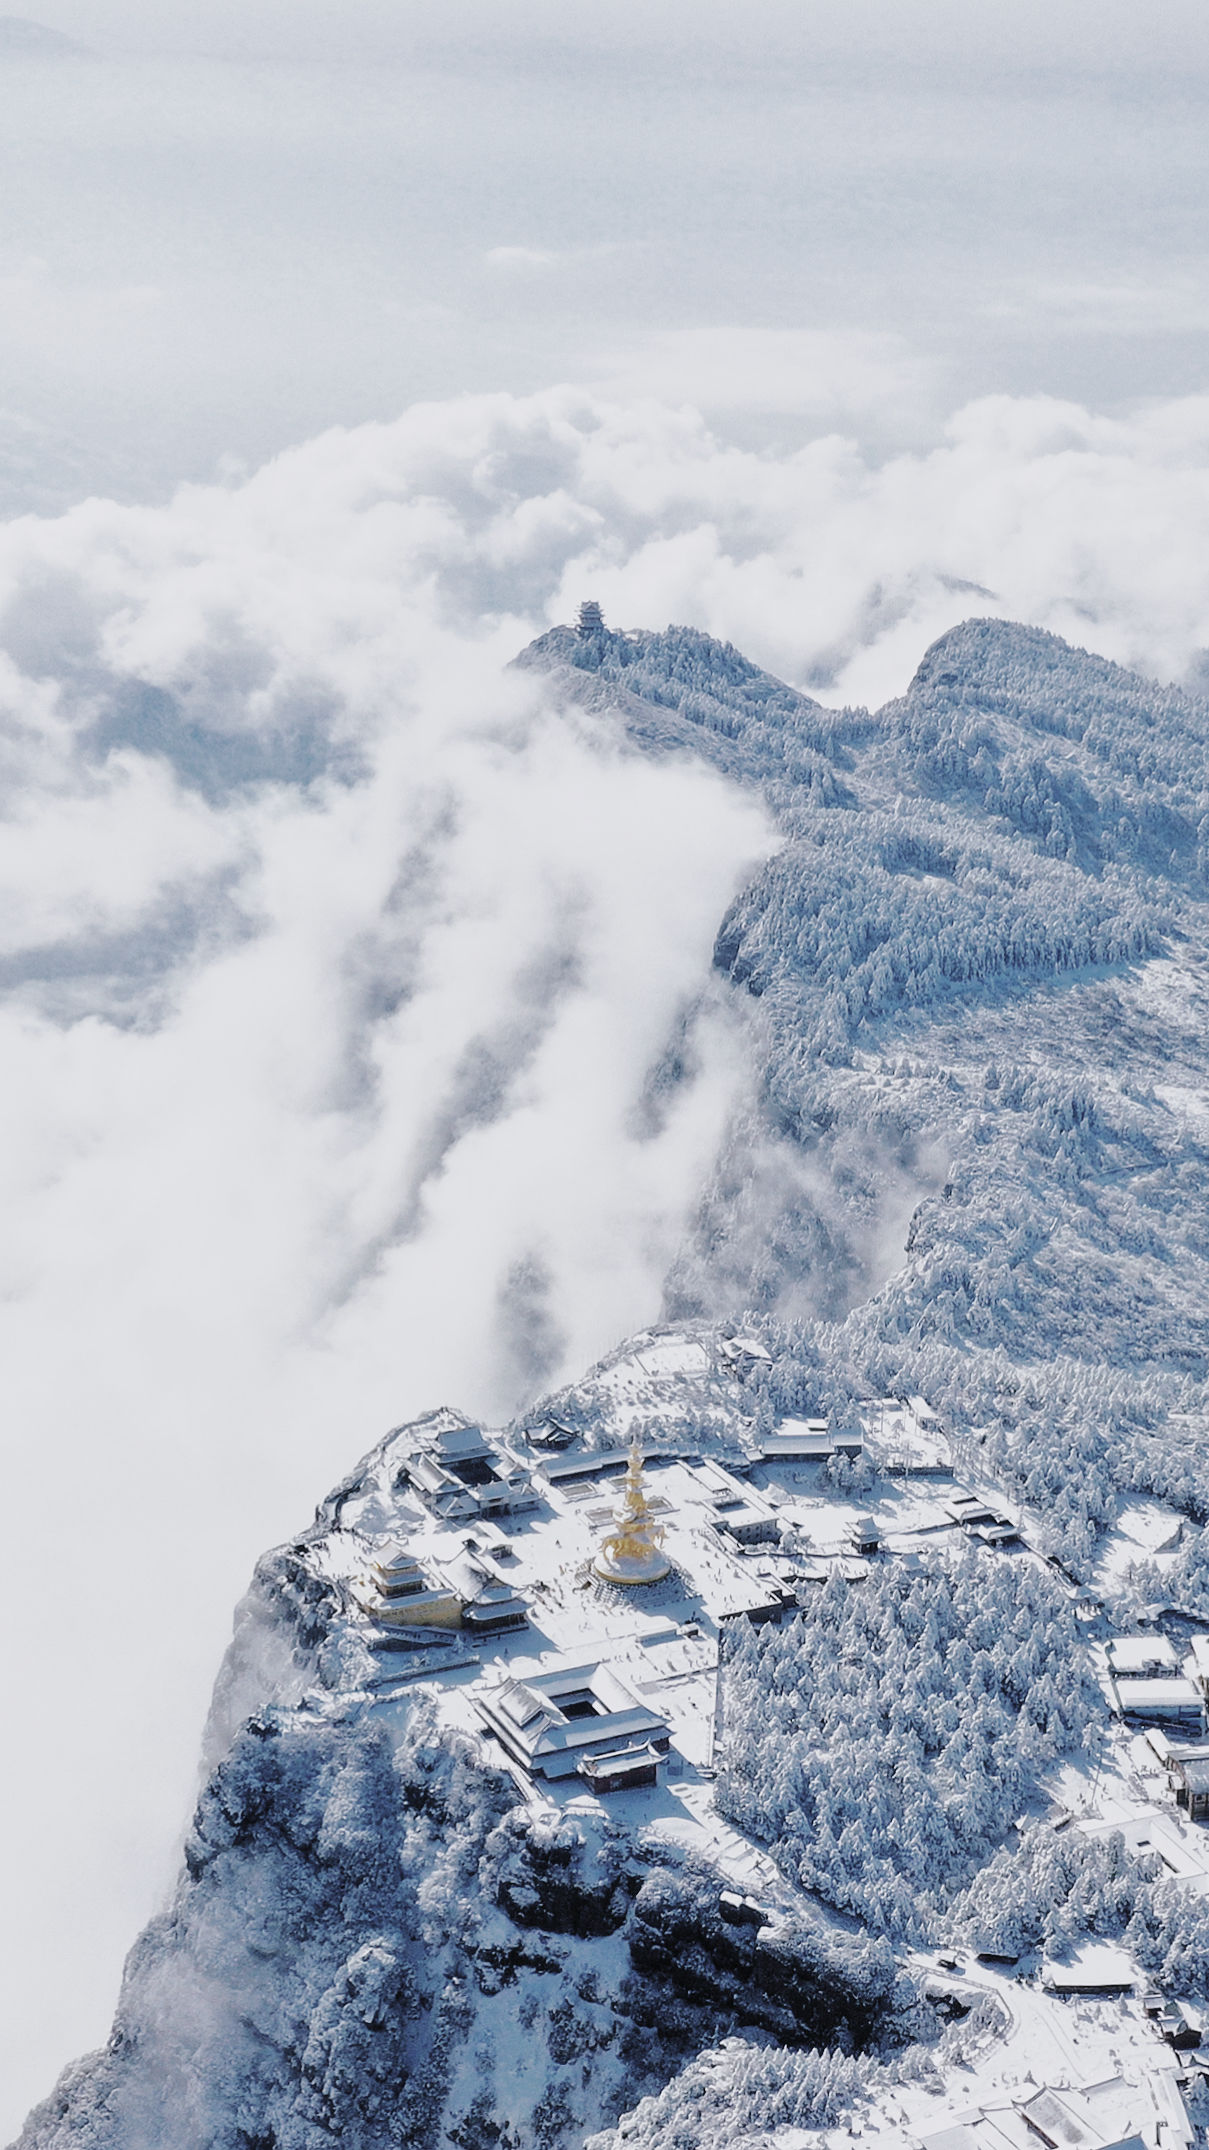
[{"x": 989, "y": 651}]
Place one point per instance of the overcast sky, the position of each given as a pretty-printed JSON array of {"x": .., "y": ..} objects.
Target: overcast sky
[
  {"x": 333, "y": 964},
  {"x": 232, "y": 226}
]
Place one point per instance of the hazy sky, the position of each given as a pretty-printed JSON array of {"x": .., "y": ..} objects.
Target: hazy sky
[
  {"x": 333, "y": 963},
  {"x": 308, "y": 215}
]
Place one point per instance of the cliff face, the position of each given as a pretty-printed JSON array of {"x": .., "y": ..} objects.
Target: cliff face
[{"x": 374, "y": 1942}]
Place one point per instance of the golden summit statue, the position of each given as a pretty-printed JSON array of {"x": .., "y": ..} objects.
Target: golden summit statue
[{"x": 630, "y": 1554}]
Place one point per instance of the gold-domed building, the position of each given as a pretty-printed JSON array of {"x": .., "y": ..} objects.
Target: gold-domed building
[{"x": 631, "y": 1552}]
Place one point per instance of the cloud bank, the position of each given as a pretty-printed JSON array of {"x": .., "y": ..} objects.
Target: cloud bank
[{"x": 339, "y": 964}]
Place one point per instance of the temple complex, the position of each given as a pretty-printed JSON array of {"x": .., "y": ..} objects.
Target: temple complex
[{"x": 632, "y": 1551}]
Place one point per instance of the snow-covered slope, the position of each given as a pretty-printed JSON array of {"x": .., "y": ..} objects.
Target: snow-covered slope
[{"x": 976, "y": 1168}]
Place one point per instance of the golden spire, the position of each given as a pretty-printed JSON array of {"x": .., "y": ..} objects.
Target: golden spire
[{"x": 630, "y": 1553}]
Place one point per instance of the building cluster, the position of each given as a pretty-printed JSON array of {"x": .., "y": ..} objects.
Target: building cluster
[
  {"x": 450, "y": 1580},
  {"x": 1112, "y": 2115},
  {"x": 465, "y": 1589},
  {"x": 980, "y": 1520},
  {"x": 552, "y": 1564},
  {"x": 460, "y": 1476},
  {"x": 579, "y": 1594}
]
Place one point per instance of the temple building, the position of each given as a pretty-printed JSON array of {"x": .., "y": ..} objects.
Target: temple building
[
  {"x": 578, "y": 1720},
  {"x": 398, "y": 1593},
  {"x": 467, "y": 1591},
  {"x": 491, "y": 1605},
  {"x": 632, "y": 1551},
  {"x": 459, "y": 1475}
]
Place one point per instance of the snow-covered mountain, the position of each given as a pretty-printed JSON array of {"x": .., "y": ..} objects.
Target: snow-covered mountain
[{"x": 975, "y": 1172}]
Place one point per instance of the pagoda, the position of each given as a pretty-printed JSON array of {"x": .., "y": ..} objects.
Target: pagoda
[{"x": 631, "y": 1552}]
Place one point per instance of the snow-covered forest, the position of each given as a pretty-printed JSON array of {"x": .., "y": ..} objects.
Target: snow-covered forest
[
  {"x": 1060, "y": 1888},
  {"x": 884, "y": 1740}
]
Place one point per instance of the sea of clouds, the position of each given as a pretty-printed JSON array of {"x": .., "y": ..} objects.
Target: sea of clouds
[{"x": 339, "y": 962}]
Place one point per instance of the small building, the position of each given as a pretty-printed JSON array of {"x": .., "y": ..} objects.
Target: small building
[
  {"x": 1098, "y": 1967},
  {"x": 864, "y": 1536},
  {"x": 1191, "y": 1776},
  {"x": 748, "y": 1521},
  {"x": 398, "y": 1592},
  {"x": 622, "y": 1769},
  {"x": 1141, "y": 1657},
  {"x": 1165, "y": 1701},
  {"x": 999, "y": 1533},
  {"x": 551, "y": 1433},
  {"x": 578, "y": 1719},
  {"x": 490, "y": 1604},
  {"x": 744, "y": 1351},
  {"x": 970, "y": 1508},
  {"x": 809, "y": 1440},
  {"x": 569, "y": 1471},
  {"x": 1179, "y": 2026}
]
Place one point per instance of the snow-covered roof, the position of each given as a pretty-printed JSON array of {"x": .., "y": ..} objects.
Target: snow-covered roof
[
  {"x": 1194, "y": 1773},
  {"x": 1138, "y": 1654},
  {"x": 745, "y": 1347},
  {"x": 395, "y": 1561},
  {"x": 1158, "y": 1698},
  {"x": 518, "y": 1701},
  {"x": 475, "y": 1583},
  {"x": 1096, "y": 1967},
  {"x": 526, "y": 1715}
]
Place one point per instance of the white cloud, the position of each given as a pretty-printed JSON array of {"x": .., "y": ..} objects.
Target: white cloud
[{"x": 336, "y": 959}]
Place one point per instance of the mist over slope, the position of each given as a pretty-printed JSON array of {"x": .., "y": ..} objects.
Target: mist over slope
[{"x": 975, "y": 1164}]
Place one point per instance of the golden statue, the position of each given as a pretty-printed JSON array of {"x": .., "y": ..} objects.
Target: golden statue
[{"x": 630, "y": 1554}]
